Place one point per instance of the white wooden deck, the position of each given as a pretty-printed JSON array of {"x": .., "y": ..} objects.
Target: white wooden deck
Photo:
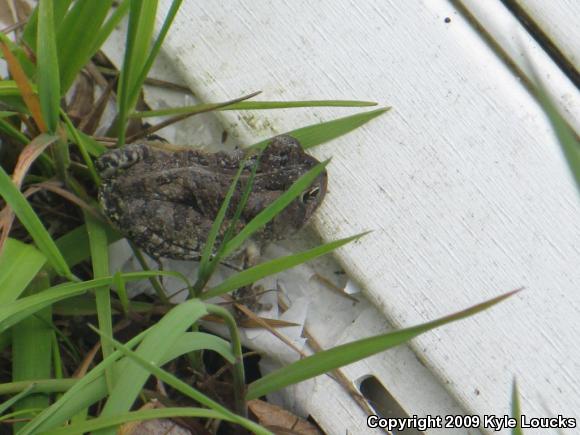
[{"x": 462, "y": 182}]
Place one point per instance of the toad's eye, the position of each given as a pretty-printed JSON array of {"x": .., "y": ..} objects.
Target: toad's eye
[{"x": 309, "y": 194}]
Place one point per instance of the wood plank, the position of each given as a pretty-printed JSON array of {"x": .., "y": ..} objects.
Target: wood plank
[
  {"x": 462, "y": 183},
  {"x": 559, "y": 20}
]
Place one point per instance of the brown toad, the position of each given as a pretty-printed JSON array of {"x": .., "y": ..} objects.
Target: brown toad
[{"x": 166, "y": 201}]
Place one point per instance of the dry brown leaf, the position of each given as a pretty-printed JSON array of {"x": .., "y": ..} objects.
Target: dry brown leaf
[
  {"x": 83, "y": 98},
  {"x": 25, "y": 160},
  {"x": 280, "y": 421},
  {"x": 248, "y": 323},
  {"x": 162, "y": 426},
  {"x": 13, "y": 12},
  {"x": 30, "y": 98}
]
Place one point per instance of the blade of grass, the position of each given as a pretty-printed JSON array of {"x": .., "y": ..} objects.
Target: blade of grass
[
  {"x": 12, "y": 313},
  {"x": 516, "y": 410},
  {"x": 207, "y": 267},
  {"x": 139, "y": 32},
  {"x": 74, "y": 245},
  {"x": 192, "y": 341},
  {"x": 187, "y": 342},
  {"x": 30, "y": 98},
  {"x": 241, "y": 206},
  {"x": 175, "y": 4},
  {"x": 272, "y": 267},
  {"x": 19, "y": 264},
  {"x": 114, "y": 19},
  {"x": 32, "y": 223},
  {"x": 6, "y": 405},
  {"x": 238, "y": 373},
  {"x": 253, "y": 105},
  {"x": 143, "y": 415},
  {"x": 155, "y": 284},
  {"x": 83, "y": 21},
  {"x": 119, "y": 285},
  {"x": 274, "y": 208},
  {"x": 100, "y": 261},
  {"x": 217, "y": 223},
  {"x": 30, "y": 154},
  {"x": 82, "y": 393},
  {"x": 186, "y": 389},
  {"x": 83, "y": 144},
  {"x": 47, "y": 66},
  {"x": 131, "y": 376},
  {"x": 566, "y": 136},
  {"x": 9, "y": 88},
  {"x": 29, "y": 35},
  {"x": 143, "y": 14},
  {"x": 13, "y": 132},
  {"x": 339, "y": 356},
  {"x": 316, "y": 134},
  {"x": 32, "y": 350},
  {"x": 175, "y": 119},
  {"x": 46, "y": 386}
]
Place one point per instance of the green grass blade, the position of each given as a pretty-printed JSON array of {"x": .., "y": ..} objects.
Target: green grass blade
[
  {"x": 30, "y": 31},
  {"x": 119, "y": 286},
  {"x": 32, "y": 223},
  {"x": 82, "y": 393},
  {"x": 194, "y": 341},
  {"x": 12, "y": 313},
  {"x": 11, "y": 131},
  {"x": 9, "y": 88},
  {"x": 46, "y": 386},
  {"x": 74, "y": 245},
  {"x": 218, "y": 221},
  {"x": 207, "y": 267},
  {"x": 184, "y": 388},
  {"x": 156, "y": 47},
  {"x": 567, "y": 138},
  {"x": 274, "y": 208},
  {"x": 272, "y": 267},
  {"x": 19, "y": 264},
  {"x": 100, "y": 262},
  {"x": 252, "y": 105},
  {"x": 143, "y": 415},
  {"x": 131, "y": 377},
  {"x": 83, "y": 21},
  {"x": 47, "y": 69},
  {"x": 114, "y": 19},
  {"x": 32, "y": 350},
  {"x": 339, "y": 356},
  {"x": 316, "y": 134},
  {"x": 6, "y": 405},
  {"x": 230, "y": 231},
  {"x": 141, "y": 21},
  {"x": 84, "y": 144},
  {"x": 516, "y": 410}
]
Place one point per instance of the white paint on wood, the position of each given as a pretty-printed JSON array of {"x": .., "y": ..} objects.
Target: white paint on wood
[
  {"x": 521, "y": 48},
  {"x": 462, "y": 182},
  {"x": 559, "y": 20}
]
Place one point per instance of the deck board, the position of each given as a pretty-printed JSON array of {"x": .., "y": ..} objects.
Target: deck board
[{"x": 462, "y": 183}]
